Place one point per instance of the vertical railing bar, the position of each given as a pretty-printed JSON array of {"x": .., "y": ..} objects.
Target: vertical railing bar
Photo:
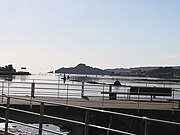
[
  {"x": 67, "y": 94},
  {"x": 32, "y": 93},
  {"x": 7, "y": 115},
  {"x": 138, "y": 98},
  {"x": 82, "y": 90},
  {"x": 2, "y": 92},
  {"x": 173, "y": 98},
  {"x": 109, "y": 126},
  {"x": 58, "y": 84},
  {"x": 145, "y": 126},
  {"x": 103, "y": 97},
  {"x": 8, "y": 88},
  {"x": 41, "y": 118},
  {"x": 125, "y": 91},
  {"x": 86, "y": 127}
]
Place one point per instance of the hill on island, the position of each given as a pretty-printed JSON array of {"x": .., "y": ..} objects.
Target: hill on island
[
  {"x": 159, "y": 72},
  {"x": 83, "y": 69}
]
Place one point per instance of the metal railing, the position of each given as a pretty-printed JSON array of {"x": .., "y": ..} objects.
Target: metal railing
[
  {"x": 68, "y": 92},
  {"x": 58, "y": 89},
  {"x": 86, "y": 123}
]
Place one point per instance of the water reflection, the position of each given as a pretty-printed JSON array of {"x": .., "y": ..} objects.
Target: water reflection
[
  {"x": 25, "y": 130},
  {"x": 7, "y": 77}
]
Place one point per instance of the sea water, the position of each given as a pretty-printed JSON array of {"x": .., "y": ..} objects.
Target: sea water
[
  {"x": 53, "y": 85},
  {"x": 25, "y": 130}
]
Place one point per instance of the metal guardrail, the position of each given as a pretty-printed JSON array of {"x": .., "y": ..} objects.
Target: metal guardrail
[
  {"x": 86, "y": 123},
  {"x": 80, "y": 90},
  {"x": 40, "y": 88}
]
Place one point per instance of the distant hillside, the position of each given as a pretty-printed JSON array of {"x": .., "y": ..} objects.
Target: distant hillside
[
  {"x": 128, "y": 70},
  {"x": 83, "y": 69},
  {"x": 159, "y": 72}
]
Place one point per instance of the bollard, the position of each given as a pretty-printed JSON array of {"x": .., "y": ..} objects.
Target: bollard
[{"x": 32, "y": 89}]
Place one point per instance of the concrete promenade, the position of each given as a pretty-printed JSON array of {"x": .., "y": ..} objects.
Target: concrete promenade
[{"x": 98, "y": 102}]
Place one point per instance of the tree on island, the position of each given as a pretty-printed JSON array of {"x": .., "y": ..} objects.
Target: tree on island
[{"x": 7, "y": 68}]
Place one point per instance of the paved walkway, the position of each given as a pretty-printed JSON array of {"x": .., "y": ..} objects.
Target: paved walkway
[{"x": 98, "y": 102}]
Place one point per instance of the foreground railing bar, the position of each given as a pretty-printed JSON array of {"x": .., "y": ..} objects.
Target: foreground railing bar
[
  {"x": 2, "y": 118},
  {"x": 13, "y": 121},
  {"x": 48, "y": 116},
  {"x": 71, "y": 121},
  {"x": 3, "y": 107},
  {"x": 91, "y": 109},
  {"x": 23, "y": 111},
  {"x": 109, "y": 129},
  {"x": 108, "y": 112},
  {"x": 63, "y": 119},
  {"x": 163, "y": 121},
  {"x": 91, "y": 125}
]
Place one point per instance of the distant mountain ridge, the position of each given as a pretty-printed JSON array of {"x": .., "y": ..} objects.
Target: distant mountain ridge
[
  {"x": 123, "y": 70},
  {"x": 160, "y": 72},
  {"x": 143, "y": 69},
  {"x": 83, "y": 69}
]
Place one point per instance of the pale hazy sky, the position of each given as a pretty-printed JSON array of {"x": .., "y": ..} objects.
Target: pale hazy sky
[{"x": 45, "y": 35}]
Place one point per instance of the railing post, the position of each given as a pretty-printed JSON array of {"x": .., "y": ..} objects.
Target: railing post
[
  {"x": 32, "y": 89},
  {"x": 109, "y": 126},
  {"x": 7, "y": 115},
  {"x": 173, "y": 99},
  {"x": 86, "y": 128},
  {"x": 58, "y": 84},
  {"x": 2, "y": 92},
  {"x": 138, "y": 98},
  {"x": 145, "y": 125},
  {"x": 67, "y": 94},
  {"x": 103, "y": 97},
  {"x": 41, "y": 118},
  {"x": 8, "y": 88},
  {"x": 82, "y": 90},
  {"x": 110, "y": 90}
]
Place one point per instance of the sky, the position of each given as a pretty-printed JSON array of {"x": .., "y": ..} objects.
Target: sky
[{"x": 45, "y": 35}]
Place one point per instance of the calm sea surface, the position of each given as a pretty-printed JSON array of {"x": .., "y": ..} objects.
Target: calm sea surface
[{"x": 54, "y": 85}]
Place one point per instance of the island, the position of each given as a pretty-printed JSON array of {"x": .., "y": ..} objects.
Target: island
[{"x": 9, "y": 70}]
